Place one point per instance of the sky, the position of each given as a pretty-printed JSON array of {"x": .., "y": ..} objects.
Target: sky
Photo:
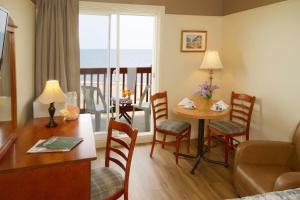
[{"x": 136, "y": 32}]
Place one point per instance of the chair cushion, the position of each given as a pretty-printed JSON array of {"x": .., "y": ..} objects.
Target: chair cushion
[
  {"x": 227, "y": 127},
  {"x": 173, "y": 126},
  {"x": 258, "y": 179},
  {"x": 143, "y": 106},
  {"x": 105, "y": 182}
]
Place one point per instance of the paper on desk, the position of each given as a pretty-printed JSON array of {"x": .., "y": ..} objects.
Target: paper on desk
[
  {"x": 219, "y": 106},
  {"x": 36, "y": 149},
  {"x": 187, "y": 103}
]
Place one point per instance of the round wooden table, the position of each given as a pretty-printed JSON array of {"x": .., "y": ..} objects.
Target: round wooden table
[{"x": 202, "y": 112}]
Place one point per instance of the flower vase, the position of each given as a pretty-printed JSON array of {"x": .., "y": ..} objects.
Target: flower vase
[{"x": 207, "y": 100}]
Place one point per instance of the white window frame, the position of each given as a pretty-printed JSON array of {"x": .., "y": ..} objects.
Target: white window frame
[{"x": 158, "y": 12}]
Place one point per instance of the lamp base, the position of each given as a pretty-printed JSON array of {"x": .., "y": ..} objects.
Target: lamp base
[
  {"x": 211, "y": 72},
  {"x": 51, "y": 110},
  {"x": 51, "y": 124}
]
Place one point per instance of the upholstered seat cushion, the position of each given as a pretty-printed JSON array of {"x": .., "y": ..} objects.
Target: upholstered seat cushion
[
  {"x": 173, "y": 126},
  {"x": 228, "y": 127},
  {"x": 105, "y": 182}
]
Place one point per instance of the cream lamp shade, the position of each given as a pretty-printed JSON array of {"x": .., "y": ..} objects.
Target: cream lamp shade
[
  {"x": 211, "y": 61},
  {"x": 51, "y": 93}
]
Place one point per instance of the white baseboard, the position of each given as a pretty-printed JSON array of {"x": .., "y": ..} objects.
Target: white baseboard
[{"x": 144, "y": 137}]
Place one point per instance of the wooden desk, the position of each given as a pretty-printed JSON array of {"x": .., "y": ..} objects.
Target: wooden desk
[
  {"x": 63, "y": 175},
  {"x": 202, "y": 112}
]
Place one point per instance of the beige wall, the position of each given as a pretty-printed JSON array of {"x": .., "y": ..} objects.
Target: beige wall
[
  {"x": 261, "y": 57},
  {"x": 179, "y": 73},
  {"x": 23, "y": 14},
  {"x": 187, "y": 7},
  {"x": 259, "y": 49}
]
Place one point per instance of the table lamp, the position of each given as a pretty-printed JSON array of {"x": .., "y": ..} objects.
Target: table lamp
[
  {"x": 52, "y": 93},
  {"x": 211, "y": 62}
]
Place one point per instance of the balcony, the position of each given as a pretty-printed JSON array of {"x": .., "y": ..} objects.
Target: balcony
[{"x": 97, "y": 77}]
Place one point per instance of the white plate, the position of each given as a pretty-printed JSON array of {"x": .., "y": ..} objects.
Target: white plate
[{"x": 189, "y": 107}]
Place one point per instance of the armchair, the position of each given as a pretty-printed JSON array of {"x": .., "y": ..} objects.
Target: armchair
[{"x": 266, "y": 166}]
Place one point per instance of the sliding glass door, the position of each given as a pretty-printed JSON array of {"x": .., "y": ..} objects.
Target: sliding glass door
[
  {"x": 116, "y": 52},
  {"x": 94, "y": 64}
]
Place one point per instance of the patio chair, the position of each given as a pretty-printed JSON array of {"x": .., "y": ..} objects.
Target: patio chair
[
  {"x": 144, "y": 106},
  {"x": 90, "y": 105}
]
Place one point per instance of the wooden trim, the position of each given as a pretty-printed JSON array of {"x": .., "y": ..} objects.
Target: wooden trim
[
  {"x": 7, "y": 129},
  {"x": 13, "y": 81},
  {"x": 6, "y": 146}
]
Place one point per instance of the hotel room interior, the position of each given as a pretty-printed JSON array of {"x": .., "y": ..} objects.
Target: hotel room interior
[{"x": 149, "y": 99}]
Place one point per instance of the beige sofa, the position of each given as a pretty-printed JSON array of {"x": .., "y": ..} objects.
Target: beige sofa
[{"x": 266, "y": 166}]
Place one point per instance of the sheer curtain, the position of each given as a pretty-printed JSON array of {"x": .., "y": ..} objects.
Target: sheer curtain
[{"x": 57, "y": 44}]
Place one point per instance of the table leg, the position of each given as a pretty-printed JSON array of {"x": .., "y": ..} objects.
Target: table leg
[
  {"x": 127, "y": 117},
  {"x": 201, "y": 150},
  {"x": 124, "y": 114},
  {"x": 199, "y": 141}
]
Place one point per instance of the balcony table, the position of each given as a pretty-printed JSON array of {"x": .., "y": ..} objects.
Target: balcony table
[{"x": 125, "y": 105}]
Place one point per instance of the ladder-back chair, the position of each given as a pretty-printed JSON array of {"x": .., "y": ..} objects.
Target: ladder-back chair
[
  {"x": 108, "y": 183},
  {"x": 168, "y": 127},
  {"x": 238, "y": 125}
]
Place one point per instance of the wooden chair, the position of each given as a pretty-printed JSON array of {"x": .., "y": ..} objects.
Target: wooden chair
[
  {"x": 107, "y": 183},
  {"x": 238, "y": 125},
  {"x": 177, "y": 129},
  {"x": 144, "y": 106}
]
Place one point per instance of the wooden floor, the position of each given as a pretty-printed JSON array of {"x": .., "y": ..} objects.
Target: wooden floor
[{"x": 160, "y": 178}]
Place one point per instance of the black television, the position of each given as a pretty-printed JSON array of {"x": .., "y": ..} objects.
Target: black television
[{"x": 3, "y": 25}]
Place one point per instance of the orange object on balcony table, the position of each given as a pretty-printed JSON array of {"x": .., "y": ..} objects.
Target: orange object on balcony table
[
  {"x": 128, "y": 93},
  {"x": 124, "y": 93}
]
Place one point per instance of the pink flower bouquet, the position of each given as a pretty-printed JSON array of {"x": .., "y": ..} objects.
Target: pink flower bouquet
[{"x": 206, "y": 90}]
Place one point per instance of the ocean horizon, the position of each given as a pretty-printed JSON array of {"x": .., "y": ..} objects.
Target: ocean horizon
[{"x": 98, "y": 58}]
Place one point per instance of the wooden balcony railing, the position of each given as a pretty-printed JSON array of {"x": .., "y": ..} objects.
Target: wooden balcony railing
[{"x": 97, "y": 77}]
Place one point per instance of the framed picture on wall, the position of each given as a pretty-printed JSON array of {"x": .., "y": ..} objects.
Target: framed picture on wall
[{"x": 193, "y": 41}]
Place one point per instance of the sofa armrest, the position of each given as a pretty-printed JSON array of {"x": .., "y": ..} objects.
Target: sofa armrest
[
  {"x": 263, "y": 152},
  {"x": 289, "y": 180}
]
